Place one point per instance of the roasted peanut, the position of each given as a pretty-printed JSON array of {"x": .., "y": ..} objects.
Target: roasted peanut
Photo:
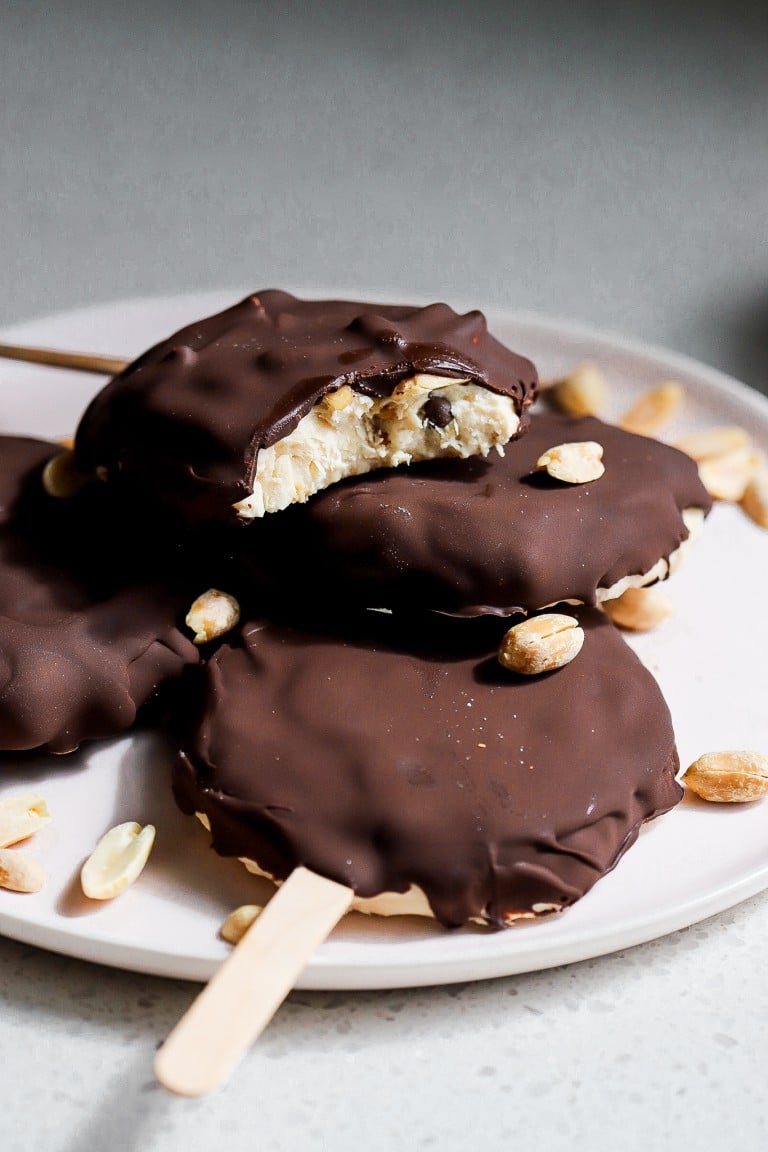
[
  {"x": 212, "y": 615},
  {"x": 541, "y": 644},
  {"x": 582, "y": 392},
  {"x": 117, "y": 860},
  {"x": 638, "y": 609},
  {"x": 713, "y": 442},
  {"x": 654, "y": 409},
  {"x": 727, "y": 476},
  {"x": 20, "y": 872},
  {"x": 754, "y": 500},
  {"x": 61, "y": 477},
  {"x": 238, "y": 922},
  {"x": 576, "y": 463},
  {"x": 340, "y": 398},
  {"x": 728, "y": 777}
]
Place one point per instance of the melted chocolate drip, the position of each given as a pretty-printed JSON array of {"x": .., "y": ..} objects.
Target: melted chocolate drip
[{"x": 184, "y": 423}]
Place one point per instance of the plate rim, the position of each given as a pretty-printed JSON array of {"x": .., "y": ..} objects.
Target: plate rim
[{"x": 326, "y": 972}]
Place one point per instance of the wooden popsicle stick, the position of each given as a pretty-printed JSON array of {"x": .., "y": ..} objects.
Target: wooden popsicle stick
[
  {"x": 245, "y": 992},
  {"x": 78, "y": 361}
]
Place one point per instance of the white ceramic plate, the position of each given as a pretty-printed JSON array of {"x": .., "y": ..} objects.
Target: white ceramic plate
[{"x": 709, "y": 659}]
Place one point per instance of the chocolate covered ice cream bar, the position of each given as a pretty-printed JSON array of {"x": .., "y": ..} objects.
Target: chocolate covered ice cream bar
[
  {"x": 259, "y": 406},
  {"x": 488, "y": 536},
  {"x": 89, "y": 636},
  {"x": 399, "y": 757}
]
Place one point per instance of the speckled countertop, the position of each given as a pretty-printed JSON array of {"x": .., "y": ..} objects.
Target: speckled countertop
[
  {"x": 662, "y": 1044},
  {"x": 600, "y": 162}
]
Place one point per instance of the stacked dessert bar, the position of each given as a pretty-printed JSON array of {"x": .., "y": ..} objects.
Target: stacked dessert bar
[{"x": 397, "y": 670}]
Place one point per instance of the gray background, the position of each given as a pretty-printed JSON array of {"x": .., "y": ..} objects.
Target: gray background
[{"x": 602, "y": 162}]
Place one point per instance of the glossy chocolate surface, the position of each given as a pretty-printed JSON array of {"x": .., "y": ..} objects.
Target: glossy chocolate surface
[
  {"x": 483, "y": 535},
  {"x": 381, "y": 766},
  {"x": 184, "y": 423},
  {"x": 87, "y": 637}
]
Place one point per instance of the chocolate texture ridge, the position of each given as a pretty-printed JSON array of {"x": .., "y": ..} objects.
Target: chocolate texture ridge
[
  {"x": 382, "y": 766},
  {"x": 482, "y": 535},
  {"x": 87, "y": 636},
  {"x": 185, "y": 422}
]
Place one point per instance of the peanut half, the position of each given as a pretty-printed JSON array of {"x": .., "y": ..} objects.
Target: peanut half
[
  {"x": 582, "y": 392},
  {"x": 728, "y": 777},
  {"x": 726, "y": 458},
  {"x": 21, "y": 816},
  {"x": 117, "y": 860},
  {"x": 654, "y": 409},
  {"x": 541, "y": 644},
  {"x": 61, "y": 477},
  {"x": 713, "y": 442},
  {"x": 726, "y": 477},
  {"x": 755, "y": 498},
  {"x": 20, "y": 872},
  {"x": 576, "y": 463},
  {"x": 212, "y": 614},
  {"x": 638, "y": 609},
  {"x": 339, "y": 399},
  {"x": 238, "y": 922}
]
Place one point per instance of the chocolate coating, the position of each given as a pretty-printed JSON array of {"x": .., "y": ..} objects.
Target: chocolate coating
[
  {"x": 484, "y": 535},
  {"x": 184, "y": 423},
  {"x": 381, "y": 768},
  {"x": 86, "y": 638}
]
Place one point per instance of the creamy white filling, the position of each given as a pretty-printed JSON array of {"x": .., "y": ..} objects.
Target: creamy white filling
[{"x": 348, "y": 434}]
